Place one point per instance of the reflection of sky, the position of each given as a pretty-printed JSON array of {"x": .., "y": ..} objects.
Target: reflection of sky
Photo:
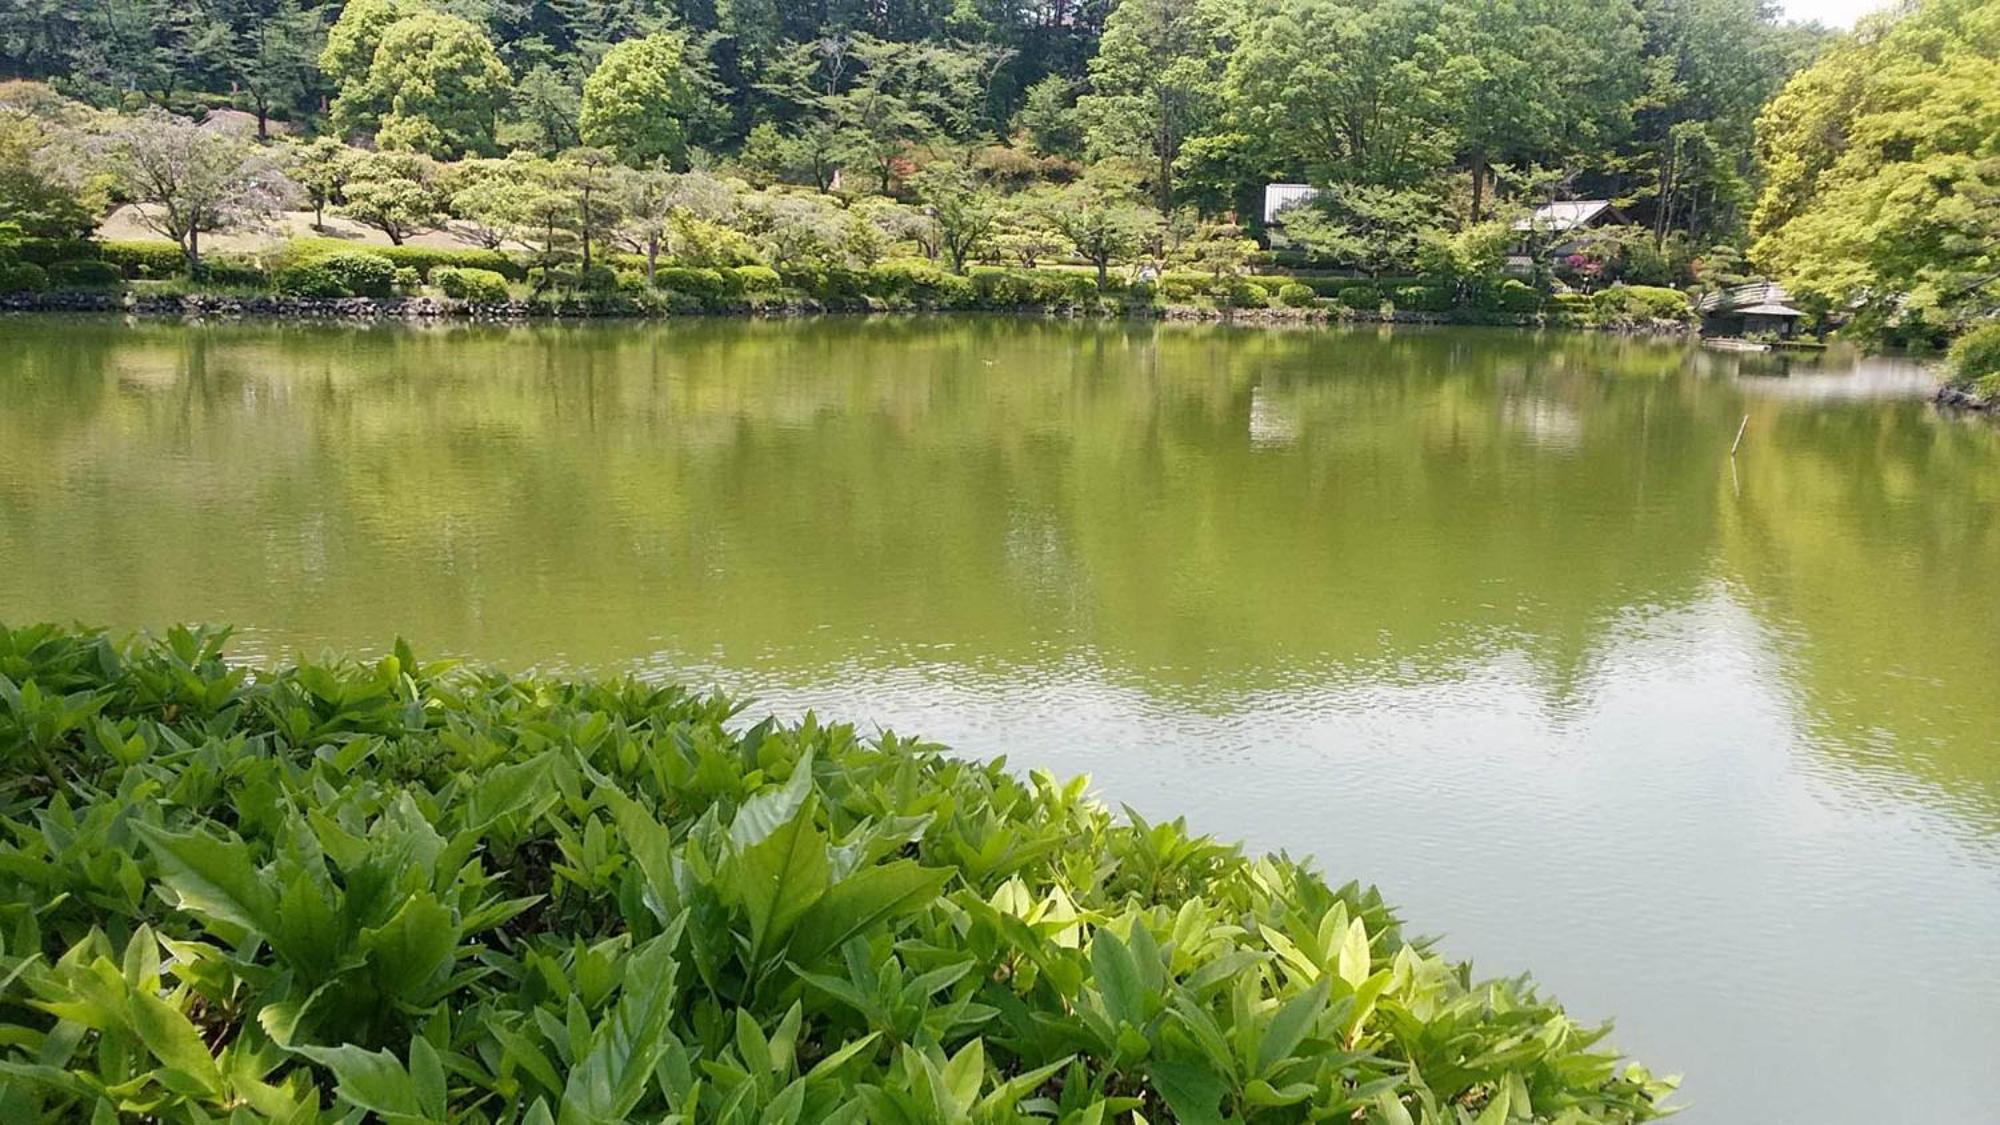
[{"x": 1786, "y": 900}]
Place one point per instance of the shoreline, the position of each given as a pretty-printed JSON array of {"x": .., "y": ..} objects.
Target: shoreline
[
  {"x": 1960, "y": 397},
  {"x": 196, "y": 307}
]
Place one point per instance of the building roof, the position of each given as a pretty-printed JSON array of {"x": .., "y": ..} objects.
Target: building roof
[
  {"x": 1564, "y": 216},
  {"x": 1284, "y": 197},
  {"x": 1759, "y": 298}
]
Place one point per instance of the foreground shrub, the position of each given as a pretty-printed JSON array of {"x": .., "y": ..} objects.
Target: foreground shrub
[
  {"x": 433, "y": 894},
  {"x": 468, "y": 284},
  {"x": 1975, "y": 358},
  {"x": 708, "y": 288},
  {"x": 1241, "y": 293},
  {"x": 350, "y": 273},
  {"x": 148, "y": 260},
  {"x": 1422, "y": 298},
  {"x": 1294, "y": 295}
]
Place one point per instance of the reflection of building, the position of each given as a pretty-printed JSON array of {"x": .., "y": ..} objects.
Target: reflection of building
[
  {"x": 1554, "y": 230},
  {"x": 1749, "y": 310}
]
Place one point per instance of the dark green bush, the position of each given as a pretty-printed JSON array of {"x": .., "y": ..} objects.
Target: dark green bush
[
  {"x": 466, "y": 283},
  {"x": 361, "y": 273},
  {"x": 1294, "y": 295},
  {"x": 1365, "y": 298},
  {"x": 47, "y": 252},
  {"x": 1516, "y": 296},
  {"x": 84, "y": 273},
  {"x": 573, "y": 279},
  {"x": 145, "y": 261},
  {"x": 419, "y": 894},
  {"x": 1574, "y": 307},
  {"x": 308, "y": 279},
  {"x": 22, "y": 277}
]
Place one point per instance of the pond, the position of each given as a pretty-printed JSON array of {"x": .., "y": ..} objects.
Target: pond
[{"x": 1490, "y": 618}]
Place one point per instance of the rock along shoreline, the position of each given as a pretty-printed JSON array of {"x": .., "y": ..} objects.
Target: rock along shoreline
[{"x": 421, "y": 310}]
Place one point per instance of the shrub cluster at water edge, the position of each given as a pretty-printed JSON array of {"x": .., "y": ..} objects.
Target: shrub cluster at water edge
[{"x": 435, "y": 894}]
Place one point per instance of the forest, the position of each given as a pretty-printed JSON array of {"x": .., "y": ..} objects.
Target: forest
[{"x": 1858, "y": 168}]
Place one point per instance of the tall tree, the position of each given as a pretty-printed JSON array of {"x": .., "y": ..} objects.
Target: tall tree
[
  {"x": 635, "y": 102},
  {"x": 439, "y": 84},
  {"x": 1155, "y": 81}
]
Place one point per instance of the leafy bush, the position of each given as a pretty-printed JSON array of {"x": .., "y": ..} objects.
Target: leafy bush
[
  {"x": 1515, "y": 296},
  {"x": 758, "y": 280},
  {"x": 1574, "y": 307},
  {"x": 408, "y": 280},
  {"x": 234, "y": 271},
  {"x": 348, "y": 273},
  {"x": 1422, "y": 298},
  {"x": 1365, "y": 298},
  {"x": 145, "y": 260},
  {"x": 573, "y": 279},
  {"x": 423, "y": 259},
  {"x": 47, "y": 252},
  {"x": 1242, "y": 293},
  {"x": 1646, "y": 302},
  {"x": 22, "y": 277},
  {"x": 466, "y": 283},
  {"x": 1296, "y": 296},
  {"x": 1975, "y": 358},
  {"x": 919, "y": 281},
  {"x": 708, "y": 287},
  {"x": 84, "y": 273},
  {"x": 1177, "y": 292},
  {"x": 444, "y": 895}
]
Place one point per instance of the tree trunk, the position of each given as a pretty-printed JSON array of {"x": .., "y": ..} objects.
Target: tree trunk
[
  {"x": 652, "y": 257},
  {"x": 395, "y": 236},
  {"x": 1478, "y": 186},
  {"x": 1103, "y": 273},
  {"x": 319, "y": 213},
  {"x": 193, "y": 252}
]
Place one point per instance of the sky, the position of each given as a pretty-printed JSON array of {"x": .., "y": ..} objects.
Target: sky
[{"x": 1833, "y": 13}]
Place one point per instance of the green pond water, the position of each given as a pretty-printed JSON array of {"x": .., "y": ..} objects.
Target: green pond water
[{"x": 1490, "y": 618}]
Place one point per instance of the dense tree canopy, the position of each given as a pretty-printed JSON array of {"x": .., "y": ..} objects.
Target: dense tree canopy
[{"x": 1884, "y": 170}]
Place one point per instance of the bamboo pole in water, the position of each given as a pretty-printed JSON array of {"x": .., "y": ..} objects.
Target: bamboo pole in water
[{"x": 1739, "y": 437}]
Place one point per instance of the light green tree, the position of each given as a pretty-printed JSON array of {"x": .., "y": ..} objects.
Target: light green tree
[
  {"x": 1102, "y": 224},
  {"x": 635, "y": 103},
  {"x": 320, "y": 167},
  {"x": 438, "y": 84},
  {"x": 350, "y": 54},
  {"x": 191, "y": 181},
  {"x": 397, "y": 193},
  {"x": 1884, "y": 171}
]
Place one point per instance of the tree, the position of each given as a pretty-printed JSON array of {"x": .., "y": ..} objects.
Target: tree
[
  {"x": 546, "y": 106},
  {"x": 587, "y": 174},
  {"x": 1155, "y": 79},
  {"x": 1884, "y": 183},
  {"x": 964, "y": 213},
  {"x": 524, "y": 198},
  {"x": 1531, "y": 79},
  {"x": 876, "y": 128},
  {"x": 438, "y": 84},
  {"x": 320, "y": 167},
  {"x": 40, "y": 195},
  {"x": 635, "y": 101},
  {"x": 1376, "y": 229},
  {"x": 1050, "y": 120},
  {"x": 653, "y": 203},
  {"x": 349, "y": 56},
  {"x": 397, "y": 193},
  {"x": 1218, "y": 248},
  {"x": 1102, "y": 224},
  {"x": 192, "y": 181},
  {"x": 275, "y": 54},
  {"x": 1341, "y": 91}
]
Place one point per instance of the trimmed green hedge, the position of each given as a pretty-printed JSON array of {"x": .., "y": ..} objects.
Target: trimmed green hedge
[
  {"x": 427, "y": 894},
  {"x": 148, "y": 260},
  {"x": 1647, "y": 302},
  {"x": 467, "y": 284},
  {"x": 84, "y": 273},
  {"x": 423, "y": 259},
  {"x": 347, "y": 273}
]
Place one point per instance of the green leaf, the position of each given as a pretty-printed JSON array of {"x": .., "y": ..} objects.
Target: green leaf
[
  {"x": 1290, "y": 1027},
  {"x": 864, "y": 900},
  {"x": 782, "y": 876},
  {"x": 1353, "y": 967},
  {"x": 1191, "y": 1090},
  {"x": 611, "y": 1077},
  {"x": 768, "y": 811},
  {"x": 965, "y": 1074},
  {"x": 412, "y": 947},
  {"x": 1117, "y": 979},
  {"x": 502, "y": 790},
  {"x": 173, "y": 1039},
  {"x": 427, "y": 1076},
  {"x": 372, "y": 1080},
  {"x": 215, "y": 879}
]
